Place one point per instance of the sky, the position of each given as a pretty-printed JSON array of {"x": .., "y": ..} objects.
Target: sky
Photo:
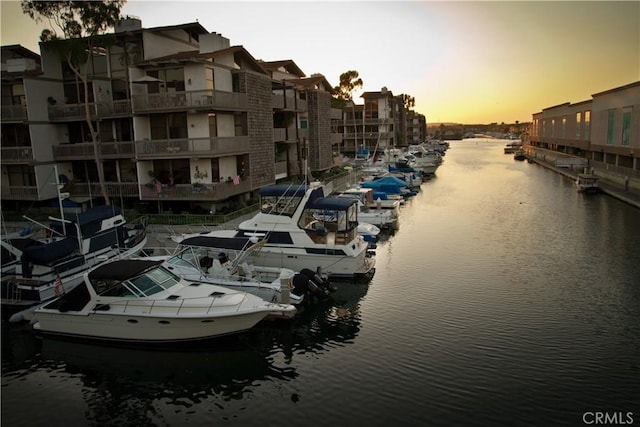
[{"x": 463, "y": 62}]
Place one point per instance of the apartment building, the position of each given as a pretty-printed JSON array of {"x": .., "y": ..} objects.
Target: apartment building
[
  {"x": 380, "y": 122},
  {"x": 183, "y": 119},
  {"x": 604, "y": 129}
]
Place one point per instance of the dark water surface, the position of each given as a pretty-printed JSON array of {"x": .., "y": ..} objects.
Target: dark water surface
[{"x": 505, "y": 298}]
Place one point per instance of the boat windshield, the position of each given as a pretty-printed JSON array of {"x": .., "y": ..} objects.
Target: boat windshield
[
  {"x": 279, "y": 205},
  {"x": 152, "y": 282}
]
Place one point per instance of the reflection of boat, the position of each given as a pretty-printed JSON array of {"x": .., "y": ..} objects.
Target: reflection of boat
[
  {"x": 198, "y": 258},
  {"x": 73, "y": 245},
  {"x": 519, "y": 155},
  {"x": 512, "y": 147},
  {"x": 305, "y": 229},
  {"x": 587, "y": 183},
  {"x": 141, "y": 301}
]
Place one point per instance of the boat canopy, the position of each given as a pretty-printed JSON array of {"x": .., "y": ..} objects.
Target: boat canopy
[
  {"x": 89, "y": 221},
  {"x": 50, "y": 252},
  {"x": 122, "y": 269},
  {"x": 331, "y": 203},
  {"x": 235, "y": 243},
  {"x": 284, "y": 190}
]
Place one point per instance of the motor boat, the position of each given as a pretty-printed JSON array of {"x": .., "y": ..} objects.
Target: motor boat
[
  {"x": 199, "y": 258},
  {"x": 381, "y": 213},
  {"x": 138, "y": 300},
  {"x": 55, "y": 263},
  {"x": 305, "y": 229},
  {"x": 587, "y": 183}
]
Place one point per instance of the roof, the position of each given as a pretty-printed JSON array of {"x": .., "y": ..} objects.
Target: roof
[
  {"x": 18, "y": 51},
  {"x": 313, "y": 82},
  {"x": 196, "y": 56},
  {"x": 122, "y": 269},
  {"x": 287, "y": 64}
]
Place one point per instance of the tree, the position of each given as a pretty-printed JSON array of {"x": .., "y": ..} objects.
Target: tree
[
  {"x": 408, "y": 101},
  {"x": 349, "y": 81},
  {"x": 80, "y": 22}
]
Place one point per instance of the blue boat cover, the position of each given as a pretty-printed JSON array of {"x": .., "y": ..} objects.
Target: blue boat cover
[
  {"x": 236, "y": 243},
  {"x": 89, "y": 221},
  {"x": 284, "y": 190},
  {"x": 390, "y": 179},
  {"x": 50, "y": 252},
  {"x": 332, "y": 203}
]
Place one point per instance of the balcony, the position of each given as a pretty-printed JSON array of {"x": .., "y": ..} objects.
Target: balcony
[
  {"x": 192, "y": 100},
  {"x": 19, "y": 192},
  {"x": 92, "y": 189},
  {"x": 206, "y": 147},
  {"x": 215, "y": 191},
  {"x": 13, "y": 113},
  {"x": 16, "y": 155},
  {"x": 69, "y": 112},
  {"x": 85, "y": 151}
]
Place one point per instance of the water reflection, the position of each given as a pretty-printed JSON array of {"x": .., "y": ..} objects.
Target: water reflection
[{"x": 116, "y": 385}]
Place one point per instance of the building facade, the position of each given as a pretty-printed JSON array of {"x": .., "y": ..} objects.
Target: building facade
[
  {"x": 178, "y": 116},
  {"x": 604, "y": 129}
]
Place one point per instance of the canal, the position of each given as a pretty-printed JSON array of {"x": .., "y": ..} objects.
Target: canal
[{"x": 504, "y": 298}]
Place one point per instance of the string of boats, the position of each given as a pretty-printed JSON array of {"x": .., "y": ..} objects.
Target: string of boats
[{"x": 90, "y": 276}]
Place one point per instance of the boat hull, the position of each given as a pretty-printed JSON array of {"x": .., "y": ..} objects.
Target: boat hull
[
  {"x": 337, "y": 267},
  {"x": 135, "y": 328}
]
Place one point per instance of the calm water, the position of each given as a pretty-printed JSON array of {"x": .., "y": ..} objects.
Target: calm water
[{"x": 505, "y": 298}]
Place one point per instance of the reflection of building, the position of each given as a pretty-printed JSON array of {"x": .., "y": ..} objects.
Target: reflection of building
[
  {"x": 604, "y": 129},
  {"x": 183, "y": 118}
]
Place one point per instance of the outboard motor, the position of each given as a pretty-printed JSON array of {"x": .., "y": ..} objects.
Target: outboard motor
[
  {"x": 318, "y": 280},
  {"x": 303, "y": 284}
]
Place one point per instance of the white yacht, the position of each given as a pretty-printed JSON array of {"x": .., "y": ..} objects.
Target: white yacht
[
  {"x": 305, "y": 229},
  {"x": 143, "y": 302},
  {"x": 199, "y": 257}
]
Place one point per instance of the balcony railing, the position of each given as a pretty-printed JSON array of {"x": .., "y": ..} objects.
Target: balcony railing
[
  {"x": 19, "y": 192},
  {"x": 199, "y": 99},
  {"x": 84, "y": 151},
  {"x": 96, "y": 110},
  {"x": 92, "y": 189},
  {"x": 215, "y": 191},
  {"x": 13, "y": 113},
  {"x": 17, "y": 154},
  {"x": 210, "y": 147}
]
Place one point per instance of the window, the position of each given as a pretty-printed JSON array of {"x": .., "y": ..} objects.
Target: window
[
  {"x": 209, "y": 77},
  {"x": 587, "y": 124},
  {"x": 626, "y": 126},
  {"x": 578, "y": 124},
  {"x": 564, "y": 127},
  {"x": 168, "y": 126},
  {"x": 611, "y": 121},
  {"x": 553, "y": 127},
  {"x": 213, "y": 126}
]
